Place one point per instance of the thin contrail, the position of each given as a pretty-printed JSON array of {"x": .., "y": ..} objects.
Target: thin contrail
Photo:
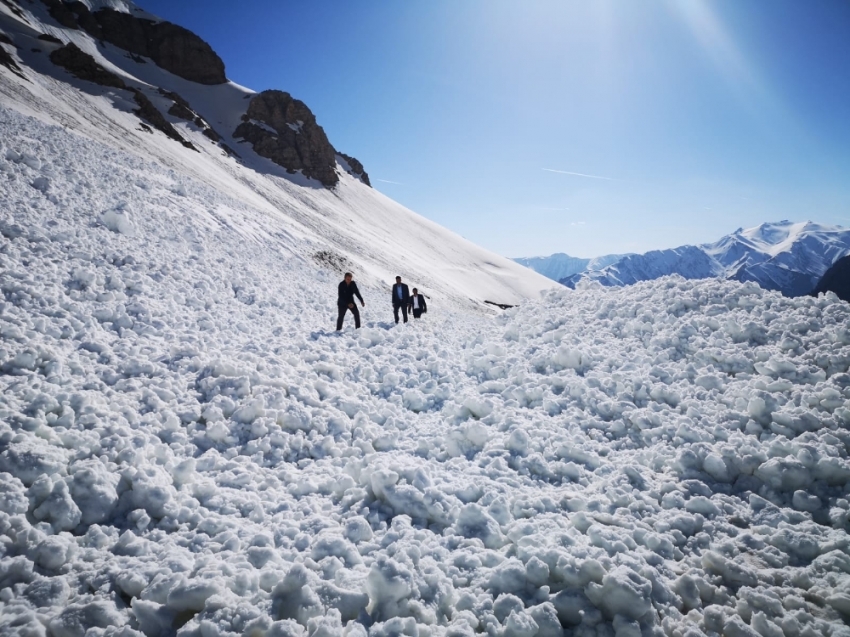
[
  {"x": 567, "y": 172},
  {"x": 387, "y": 181}
]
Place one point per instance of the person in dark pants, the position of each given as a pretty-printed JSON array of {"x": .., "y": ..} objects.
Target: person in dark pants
[
  {"x": 417, "y": 304},
  {"x": 401, "y": 299},
  {"x": 347, "y": 291}
]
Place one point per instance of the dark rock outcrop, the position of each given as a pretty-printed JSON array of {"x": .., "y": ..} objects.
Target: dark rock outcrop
[
  {"x": 61, "y": 12},
  {"x": 148, "y": 112},
  {"x": 284, "y": 130},
  {"x": 170, "y": 46},
  {"x": 80, "y": 64},
  {"x": 277, "y": 126},
  {"x": 183, "y": 110},
  {"x": 84, "y": 18},
  {"x": 14, "y": 8},
  {"x": 228, "y": 150},
  {"x": 355, "y": 168},
  {"x": 46, "y": 37},
  {"x": 211, "y": 134},
  {"x": 6, "y": 58},
  {"x": 836, "y": 279}
]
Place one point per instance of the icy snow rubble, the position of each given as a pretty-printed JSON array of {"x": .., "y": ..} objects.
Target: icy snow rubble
[{"x": 186, "y": 447}]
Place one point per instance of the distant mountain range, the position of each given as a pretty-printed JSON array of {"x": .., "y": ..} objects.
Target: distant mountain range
[
  {"x": 785, "y": 256},
  {"x": 561, "y": 266}
]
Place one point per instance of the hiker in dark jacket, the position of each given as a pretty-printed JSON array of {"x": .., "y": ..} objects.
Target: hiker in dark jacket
[
  {"x": 417, "y": 304},
  {"x": 347, "y": 291},
  {"x": 401, "y": 299}
]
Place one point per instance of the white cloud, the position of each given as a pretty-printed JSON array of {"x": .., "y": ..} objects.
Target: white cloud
[{"x": 567, "y": 172}]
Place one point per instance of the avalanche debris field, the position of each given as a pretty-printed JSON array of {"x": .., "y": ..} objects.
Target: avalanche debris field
[{"x": 186, "y": 447}]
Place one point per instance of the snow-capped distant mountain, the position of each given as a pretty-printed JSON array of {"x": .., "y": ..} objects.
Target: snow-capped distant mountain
[
  {"x": 785, "y": 256},
  {"x": 560, "y": 266}
]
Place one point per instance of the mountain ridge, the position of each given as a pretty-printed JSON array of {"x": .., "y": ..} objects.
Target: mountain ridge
[
  {"x": 560, "y": 265},
  {"x": 786, "y": 256}
]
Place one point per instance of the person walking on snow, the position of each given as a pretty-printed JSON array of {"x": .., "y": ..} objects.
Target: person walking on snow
[
  {"x": 347, "y": 291},
  {"x": 401, "y": 299},
  {"x": 417, "y": 304}
]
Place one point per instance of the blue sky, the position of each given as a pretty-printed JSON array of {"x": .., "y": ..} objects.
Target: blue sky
[{"x": 683, "y": 119}]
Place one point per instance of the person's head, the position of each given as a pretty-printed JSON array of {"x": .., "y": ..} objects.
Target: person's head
[
  {"x": 414, "y": 290},
  {"x": 398, "y": 279},
  {"x": 347, "y": 277}
]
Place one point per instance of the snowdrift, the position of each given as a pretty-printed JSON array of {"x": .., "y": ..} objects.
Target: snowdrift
[{"x": 185, "y": 447}]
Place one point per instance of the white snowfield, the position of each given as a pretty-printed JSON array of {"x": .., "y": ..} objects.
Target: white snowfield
[{"x": 186, "y": 447}]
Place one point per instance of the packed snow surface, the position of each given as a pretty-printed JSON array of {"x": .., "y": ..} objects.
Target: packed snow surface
[{"x": 187, "y": 448}]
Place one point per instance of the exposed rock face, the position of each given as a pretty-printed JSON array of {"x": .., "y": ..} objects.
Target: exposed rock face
[
  {"x": 46, "y": 37},
  {"x": 13, "y": 8},
  {"x": 79, "y": 64},
  {"x": 148, "y": 112},
  {"x": 82, "y": 65},
  {"x": 6, "y": 58},
  {"x": 277, "y": 126},
  {"x": 60, "y": 12},
  {"x": 8, "y": 61},
  {"x": 170, "y": 46},
  {"x": 836, "y": 279},
  {"x": 73, "y": 15},
  {"x": 355, "y": 168},
  {"x": 284, "y": 130},
  {"x": 182, "y": 109}
]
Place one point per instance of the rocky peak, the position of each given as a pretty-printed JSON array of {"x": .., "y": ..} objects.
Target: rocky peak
[
  {"x": 283, "y": 129},
  {"x": 354, "y": 167},
  {"x": 170, "y": 46}
]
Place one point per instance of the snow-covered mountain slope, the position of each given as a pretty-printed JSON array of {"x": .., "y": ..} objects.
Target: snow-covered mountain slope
[
  {"x": 690, "y": 260},
  {"x": 351, "y": 225},
  {"x": 785, "y": 256},
  {"x": 560, "y": 266},
  {"x": 187, "y": 448},
  {"x": 836, "y": 280}
]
